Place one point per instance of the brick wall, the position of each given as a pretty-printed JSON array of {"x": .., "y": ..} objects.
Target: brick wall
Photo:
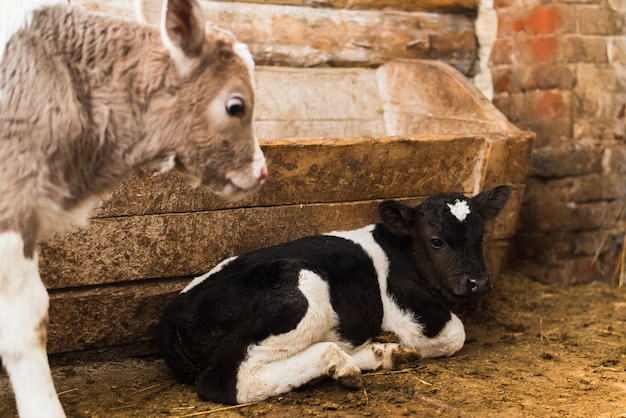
[{"x": 559, "y": 69}]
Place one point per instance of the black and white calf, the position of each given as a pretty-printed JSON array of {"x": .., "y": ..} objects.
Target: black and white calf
[{"x": 271, "y": 320}]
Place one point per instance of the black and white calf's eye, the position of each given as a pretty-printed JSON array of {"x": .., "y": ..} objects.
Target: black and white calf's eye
[
  {"x": 235, "y": 107},
  {"x": 436, "y": 243}
]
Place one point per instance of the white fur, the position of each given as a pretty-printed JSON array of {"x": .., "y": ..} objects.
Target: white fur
[
  {"x": 281, "y": 362},
  {"x": 196, "y": 281},
  {"x": 257, "y": 380},
  {"x": 460, "y": 209},
  {"x": 242, "y": 50},
  {"x": 168, "y": 163},
  {"x": 396, "y": 319},
  {"x": 447, "y": 342},
  {"x": 23, "y": 316},
  {"x": 244, "y": 180},
  {"x": 374, "y": 356},
  {"x": 16, "y": 14},
  {"x": 313, "y": 349}
]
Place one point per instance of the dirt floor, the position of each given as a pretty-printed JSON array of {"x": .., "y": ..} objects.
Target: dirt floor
[{"x": 532, "y": 350}]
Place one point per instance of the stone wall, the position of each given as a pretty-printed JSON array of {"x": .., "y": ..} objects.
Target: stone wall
[{"x": 559, "y": 69}]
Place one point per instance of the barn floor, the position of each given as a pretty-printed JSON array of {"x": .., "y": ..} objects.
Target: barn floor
[{"x": 532, "y": 350}]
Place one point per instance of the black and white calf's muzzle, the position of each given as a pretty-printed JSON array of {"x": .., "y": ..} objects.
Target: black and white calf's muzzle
[{"x": 467, "y": 286}]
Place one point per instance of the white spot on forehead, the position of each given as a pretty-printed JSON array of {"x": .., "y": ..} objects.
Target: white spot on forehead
[
  {"x": 242, "y": 50},
  {"x": 460, "y": 209}
]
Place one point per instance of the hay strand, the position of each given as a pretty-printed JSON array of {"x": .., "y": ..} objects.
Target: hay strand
[{"x": 213, "y": 411}]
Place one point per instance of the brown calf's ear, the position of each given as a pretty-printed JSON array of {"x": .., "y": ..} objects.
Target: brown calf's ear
[
  {"x": 183, "y": 33},
  {"x": 491, "y": 202},
  {"x": 184, "y": 25},
  {"x": 397, "y": 217}
]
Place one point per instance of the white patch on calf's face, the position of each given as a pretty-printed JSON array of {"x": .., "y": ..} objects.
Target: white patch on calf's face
[
  {"x": 460, "y": 209},
  {"x": 242, "y": 50}
]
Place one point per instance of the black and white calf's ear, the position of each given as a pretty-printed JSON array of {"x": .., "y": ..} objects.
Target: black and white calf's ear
[
  {"x": 491, "y": 202},
  {"x": 397, "y": 217}
]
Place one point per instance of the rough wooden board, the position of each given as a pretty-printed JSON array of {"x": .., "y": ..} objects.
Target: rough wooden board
[
  {"x": 507, "y": 158},
  {"x": 352, "y": 169},
  {"x": 310, "y": 36},
  {"x": 464, "y": 6},
  {"x": 125, "y": 315},
  {"x": 305, "y": 37},
  {"x": 494, "y": 253},
  {"x": 170, "y": 245},
  {"x": 506, "y": 161},
  {"x": 428, "y": 96},
  {"x": 291, "y": 128},
  {"x": 107, "y": 316},
  {"x": 503, "y": 227},
  {"x": 321, "y": 102}
]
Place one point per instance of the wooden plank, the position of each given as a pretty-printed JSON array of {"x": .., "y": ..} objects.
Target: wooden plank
[
  {"x": 305, "y": 37},
  {"x": 107, "y": 316},
  {"x": 170, "y": 245},
  {"x": 320, "y": 102},
  {"x": 449, "y": 6},
  {"x": 309, "y": 36},
  {"x": 467, "y": 7},
  {"x": 351, "y": 169},
  {"x": 126, "y": 314}
]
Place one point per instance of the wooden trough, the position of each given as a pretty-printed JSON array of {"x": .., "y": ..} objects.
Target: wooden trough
[{"x": 405, "y": 130}]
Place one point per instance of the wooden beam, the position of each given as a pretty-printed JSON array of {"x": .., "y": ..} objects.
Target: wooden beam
[
  {"x": 468, "y": 7},
  {"x": 187, "y": 230},
  {"x": 312, "y": 36}
]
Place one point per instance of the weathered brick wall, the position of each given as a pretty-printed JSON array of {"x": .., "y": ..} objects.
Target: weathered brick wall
[{"x": 559, "y": 69}]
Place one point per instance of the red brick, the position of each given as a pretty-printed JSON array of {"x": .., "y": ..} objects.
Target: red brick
[
  {"x": 548, "y": 104},
  {"x": 583, "y": 49},
  {"x": 532, "y": 77},
  {"x": 501, "y": 79},
  {"x": 536, "y": 48},
  {"x": 509, "y": 22},
  {"x": 598, "y": 20},
  {"x": 542, "y": 20},
  {"x": 559, "y": 162},
  {"x": 502, "y": 52},
  {"x": 498, "y": 4}
]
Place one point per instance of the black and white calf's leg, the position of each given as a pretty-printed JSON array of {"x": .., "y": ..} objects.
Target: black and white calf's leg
[
  {"x": 271, "y": 371},
  {"x": 283, "y": 362},
  {"x": 259, "y": 379},
  {"x": 378, "y": 355},
  {"x": 23, "y": 330}
]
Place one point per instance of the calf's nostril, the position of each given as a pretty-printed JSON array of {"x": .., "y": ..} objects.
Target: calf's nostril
[{"x": 263, "y": 175}]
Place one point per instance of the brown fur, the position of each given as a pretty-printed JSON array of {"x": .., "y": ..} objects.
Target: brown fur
[
  {"x": 84, "y": 99},
  {"x": 88, "y": 97}
]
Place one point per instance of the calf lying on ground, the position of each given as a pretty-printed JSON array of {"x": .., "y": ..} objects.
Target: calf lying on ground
[
  {"x": 271, "y": 320},
  {"x": 84, "y": 99}
]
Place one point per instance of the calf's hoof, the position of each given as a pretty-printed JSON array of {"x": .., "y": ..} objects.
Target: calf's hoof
[
  {"x": 403, "y": 354},
  {"x": 352, "y": 381}
]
